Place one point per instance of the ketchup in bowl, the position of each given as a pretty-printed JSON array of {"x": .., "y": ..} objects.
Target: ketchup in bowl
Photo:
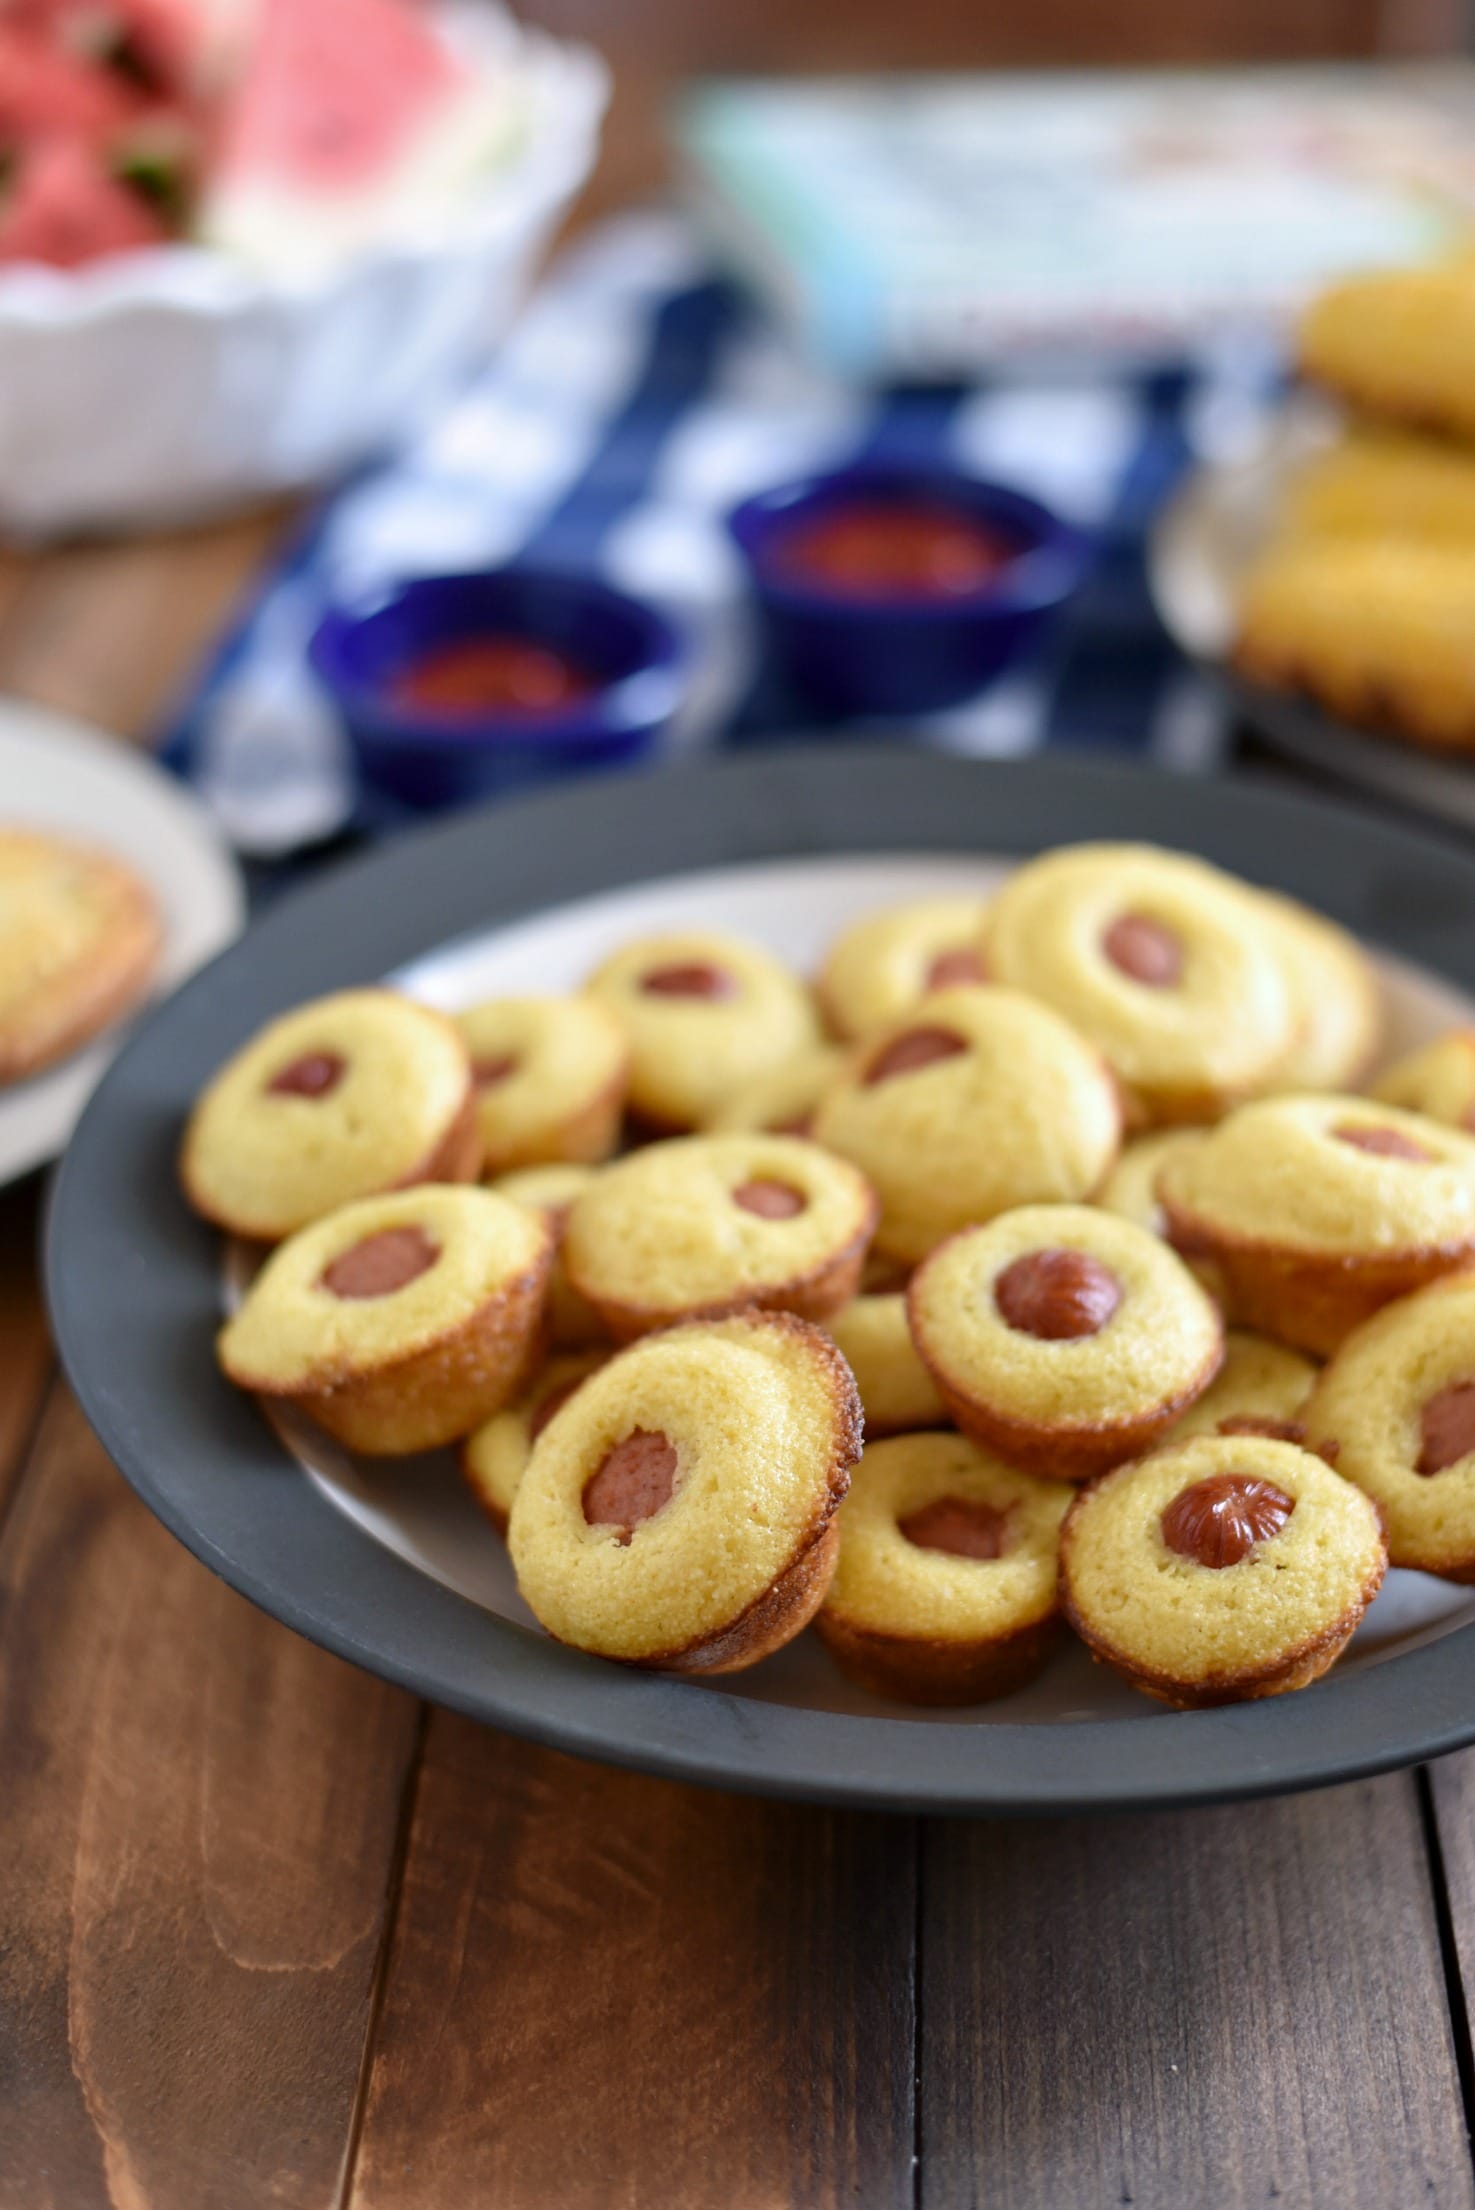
[
  {"x": 495, "y": 674},
  {"x": 893, "y": 548}
]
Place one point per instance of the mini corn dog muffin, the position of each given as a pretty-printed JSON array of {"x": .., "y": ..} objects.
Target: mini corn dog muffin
[
  {"x": 782, "y": 1100},
  {"x": 573, "y": 1322},
  {"x": 1220, "y": 1570},
  {"x": 80, "y": 936},
  {"x": 897, "y": 1393},
  {"x": 1398, "y": 343},
  {"x": 494, "y": 1458},
  {"x": 1321, "y": 1209},
  {"x": 1336, "y": 999},
  {"x": 701, "y": 1013},
  {"x": 1261, "y": 1389},
  {"x": 398, "y": 1323},
  {"x": 1130, "y": 1189},
  {"x": 1438, "y": 1079},
  {"x": 678, "y": 1511},
  {"x": 354, "y": 1094},
  {"x": 1063, "y": 1338},
  {"x": 945, "y": 1591},
  {"x": 1395, "y": 1413},
  {"x": 1377, "y": 482},
  {"x": 703, "y": 1225},
  {"x": 881, "y": 967},
  {"x": 550, "y": 1080},
  {"x": 1166, "y": 965},
  {"x": 979, "y": 1101}
]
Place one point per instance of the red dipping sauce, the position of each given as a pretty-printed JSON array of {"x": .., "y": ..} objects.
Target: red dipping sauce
[
  {"x": 475, "y": 676},
  {"x": 894, "y": 548}
]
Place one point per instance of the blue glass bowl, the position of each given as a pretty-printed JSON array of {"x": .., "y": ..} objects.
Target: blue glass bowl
[
  {"x": 865, "y": 652},
  {"x": 426, "y": 759}
]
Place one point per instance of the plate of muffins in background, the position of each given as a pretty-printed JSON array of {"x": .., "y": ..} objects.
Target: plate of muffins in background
[
  {"x": 1329, "y": 574},
  {"x": 874, "y": 1322}
]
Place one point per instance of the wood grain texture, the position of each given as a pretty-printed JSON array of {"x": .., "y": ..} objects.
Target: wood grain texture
[
  {"x": 25, "y": 1350},
  {"x": 1225, "y": 2008},
  {"x": 605, "y": 1991},
  {"x": 199, "y": 1818}
]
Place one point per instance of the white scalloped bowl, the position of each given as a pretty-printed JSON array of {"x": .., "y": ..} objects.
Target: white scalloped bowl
[{"x": 162, "y": 387}]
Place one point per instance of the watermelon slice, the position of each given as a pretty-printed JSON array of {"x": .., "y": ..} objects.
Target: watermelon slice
[
  {"x": 48, "y": 92},
  {"x": 59, "y": 206}
]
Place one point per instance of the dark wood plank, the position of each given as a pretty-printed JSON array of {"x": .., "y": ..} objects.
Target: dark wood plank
[
  {"x": 1231, "y": 2007},
  {"x": 25, "y": 1351},
  {"x": 610, "y": 1991},
  {"x": 1450, "y": 1787},
  {"x": 199, "y": 1823}
]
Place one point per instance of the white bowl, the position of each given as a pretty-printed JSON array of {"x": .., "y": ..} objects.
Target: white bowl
[{"x": 158, "y": 387}]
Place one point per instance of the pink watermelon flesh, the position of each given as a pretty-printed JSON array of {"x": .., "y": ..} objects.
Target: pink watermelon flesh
[
  {"x": 46, "y": 92},
  {"x": 61, "y": 208},
  {"x": 334, "y": 90}
]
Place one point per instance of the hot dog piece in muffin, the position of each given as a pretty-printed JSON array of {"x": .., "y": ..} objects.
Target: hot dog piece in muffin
[
  {"x": 782, "y": 1100},
  {"x": 1395, "y": 1413},
  {"x": 945, "y": 1591},
  {"x": 1063, "y": 1338},
  {"x": 706, "y": 1224},
  {"x": 896, "y": 1390},
  {"x": 1261, "y": 1389},
  {"x": 550, "y": 1080},
  {"x": 398, "y": 1323},
  {"x": 701, "y": 1013},
  {"x": 350, "y": 1095},
  {"x": 1168, "y": 966},
  {"x": 880, "y": 968},
  {"x": 573, "y": 1322},
  {"x": 1220, "y": 1569},
  {"x": 980, "y": 1101},
  {"x": 494, "y": 1458},
  {"x": 79, "y": 939},
  {"x": 1321, "y": 1209},
  {"x": 1336, "y": 999},
  {"x": 678, "y": 1511},
  {"x": 1438, "y": 1079}
]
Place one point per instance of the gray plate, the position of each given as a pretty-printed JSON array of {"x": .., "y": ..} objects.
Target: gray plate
[{"x": 133, "y": 1280}]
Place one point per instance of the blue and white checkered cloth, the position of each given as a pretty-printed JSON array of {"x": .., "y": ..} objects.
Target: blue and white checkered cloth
[{"x": 638, "y": 398}]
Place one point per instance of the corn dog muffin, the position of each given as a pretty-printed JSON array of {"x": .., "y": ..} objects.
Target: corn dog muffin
[
  {"x": 1063, "y": 1338},
  {"x": 678, "y": 1511},
  {"x": 80, "y": 936},
  {"x": 357, "y": 1093},
  {"x": 701, "y": 1013},
  {"x": 881, "y": 967},
  {"x": 1336, "y": 999},
  {"x": 980, "y": 1101},
  {"x": 703, "y": 1225},
  {"x": 1130, "y": 1189},
  {"x": 1261, "y": 1389},
  {"x": 1166, "y": 965},
  {"x": 1395, "y": 1413},
  {"x": 1400, "y": 344},
  {"x": 398, "y": 1323},
  {"x": 945, "y": 1590},
  {"x": 1221, "y": 1569},
  {"x": 494, "y": 1458},
  {"x": 550, "y": 1080},
  {"x": 573, "y": 1323},
  {"x": 1438, "y": 1079},
  {"x": 897, "y": 1393},
  {"x": 1377, "y": 482},
  {"x": 1321, "y": 1209},
  {"x": 782, "y": 1100}
]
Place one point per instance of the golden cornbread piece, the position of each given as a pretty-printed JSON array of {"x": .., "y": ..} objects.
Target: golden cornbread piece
[
  {"x": 781, "y": 1101},
  {"x": 1377, "y": 482},
  {"x": 1380, "y": 631},
  {"x": 701, "y": 1012},
  {"x": 1336, "y": 999},
  {"x": 573, "y": 1322},
  {"x": 882, "y": 966},
  {"x": 1395, "y": 1413},
  {"x": 1163, "y": 963},
  {"x": 706, "y": 1224},
  {"x": 1130, "y": 1189},
  {"x": 1398, "y": 343},
  {"x": 1438, "y": 1079},
  {"x": 550, "y": 1080},
  {"x": 980, "y": 1100},
  {"x": 1221, "y": 1569},
  {"x": 1321, "y": 1209},
  {"x": 678, "y": 1511},
  {"x": 398, "y": 1323},
  {"x": 79, "y": 939},
  {"x": 896, "y": 1391},
  {"x": 1063, "y": 1338},
  {"x": 945, "y": 1591},
  {"x": 353, "y": 1094},
  {"x": 1261, "y": 1389},
  {"x": 494, "y": 1458}
]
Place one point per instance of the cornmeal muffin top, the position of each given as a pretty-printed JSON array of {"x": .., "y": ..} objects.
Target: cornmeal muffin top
[
  {"x": 495, "y": 1458},
  {"x": 1336, "y": 999},
  {"x": 781, "y": 1100},
  {"x": 350, "y": 1094},
  {"x": 883, "y": 965},
  {"x": 538, "y": 1062},
  {"x": 1438, "y": 1079},
  {"x": 893, "y": 1585},
  {"x": 71, "y": 919},
  {"x": 896, "y": 1390},
  {"x": 1131, "y": 1187},
  {"x": 758, "y": 1422},
  {"x": 445, "y": 1251},
  {"x": 1260, "y": 1384},
  {"x": 1337, "y": 1175},
  {"x": 547, "y": 1188}
]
